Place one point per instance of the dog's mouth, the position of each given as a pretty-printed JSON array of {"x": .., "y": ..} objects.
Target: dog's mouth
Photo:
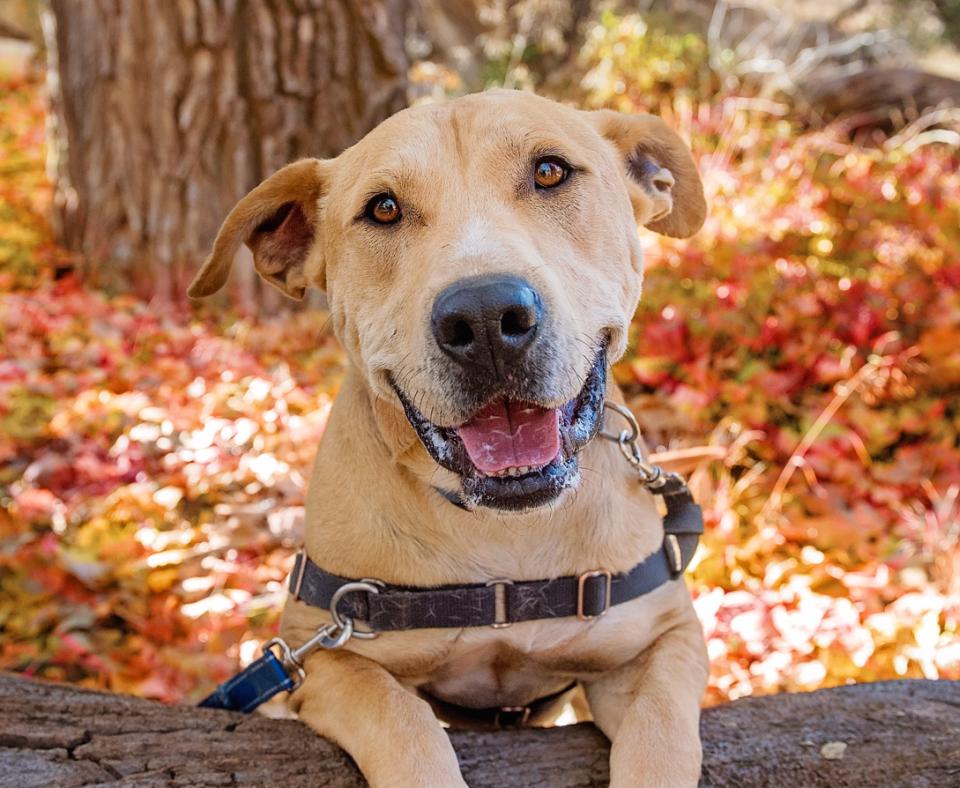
[{"x": 515, "y": 454}]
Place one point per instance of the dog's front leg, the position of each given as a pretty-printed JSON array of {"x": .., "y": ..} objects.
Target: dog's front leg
[
  {"x": 392, "y": 735},
  {"x": 650, "y": 710}
]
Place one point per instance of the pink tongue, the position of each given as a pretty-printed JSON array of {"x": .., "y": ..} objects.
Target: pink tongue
[{"x": 511, "y": 435}]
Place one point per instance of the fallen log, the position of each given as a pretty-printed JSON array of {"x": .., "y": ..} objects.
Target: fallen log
[
  {"x": 896, "y": 733},
  {"x": 876, "y": 93}
]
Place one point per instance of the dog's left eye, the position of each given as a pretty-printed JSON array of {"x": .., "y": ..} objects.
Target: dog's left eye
[
  {"x": 550, "y": 171},
  {"x": 383, "y": 209}
]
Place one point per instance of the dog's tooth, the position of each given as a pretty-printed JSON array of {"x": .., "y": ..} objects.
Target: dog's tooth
[{"x": 518, "y": 470}]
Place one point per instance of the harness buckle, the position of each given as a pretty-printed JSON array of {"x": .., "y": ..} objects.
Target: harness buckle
[
  {"x": 581, "y": 585},
  {"x": 500, "y": 607},
  {"x": 674, "y": 554}
]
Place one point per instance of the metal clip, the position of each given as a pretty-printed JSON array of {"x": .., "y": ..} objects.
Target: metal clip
[
  {"x": 328, "y": 637},
  {"x": 625, "y": 413},
  {"x": 286, "y": 657},
  {"x": 652, "y": 476},
  {"x": 331, "y": 636}
]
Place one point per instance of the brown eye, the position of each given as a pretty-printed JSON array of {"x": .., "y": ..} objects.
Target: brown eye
[
  {"x": 383, "y": 209},
  {"x": 550, "y": 172}
]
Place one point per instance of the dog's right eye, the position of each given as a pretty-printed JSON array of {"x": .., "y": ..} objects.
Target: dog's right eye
[
  {"x": 550, "y": 171},
  {"x": 383, "y": 209}
]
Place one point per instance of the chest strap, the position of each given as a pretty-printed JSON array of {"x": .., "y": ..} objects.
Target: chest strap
[
  {"x": 501, "y": 602},
  {"x": 495, "y": 717}
]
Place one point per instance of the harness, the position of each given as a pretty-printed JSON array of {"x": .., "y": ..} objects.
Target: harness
[{"x": 497, "y": 603}]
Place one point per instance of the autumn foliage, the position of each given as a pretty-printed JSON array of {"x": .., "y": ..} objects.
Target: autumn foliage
[{"x": 153, "y": 460}]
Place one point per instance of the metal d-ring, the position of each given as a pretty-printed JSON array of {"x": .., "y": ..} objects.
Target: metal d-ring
[
  {"x": 623, "y": 436},
  {"x": 370, "y": 586}
]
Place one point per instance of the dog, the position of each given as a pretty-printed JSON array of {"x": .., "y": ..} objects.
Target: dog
[{"x": 482, "y": 262}]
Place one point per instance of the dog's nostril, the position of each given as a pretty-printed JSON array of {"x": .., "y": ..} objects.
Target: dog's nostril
[
  {"x": 461, "y": 334},
  {"x": 516, "y": 322}
]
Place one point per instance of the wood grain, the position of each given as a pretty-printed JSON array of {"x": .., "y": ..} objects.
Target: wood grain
[{"x": 899, "y": 733}]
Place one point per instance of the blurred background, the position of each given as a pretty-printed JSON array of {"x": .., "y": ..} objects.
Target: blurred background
[{"x": 800, "y": 356}]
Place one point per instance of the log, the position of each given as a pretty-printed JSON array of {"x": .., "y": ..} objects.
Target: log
[
  {"x": 897, "y": 733},
  {"x": 876, "y": 93}
]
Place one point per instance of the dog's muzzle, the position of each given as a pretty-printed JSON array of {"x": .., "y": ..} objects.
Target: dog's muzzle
[{"x": 514, "y": 454}]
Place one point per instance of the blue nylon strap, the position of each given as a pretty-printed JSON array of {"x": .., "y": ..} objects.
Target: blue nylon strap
[{"x": 255, "y": 684}]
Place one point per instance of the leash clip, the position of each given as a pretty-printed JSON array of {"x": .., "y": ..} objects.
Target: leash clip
[
  {"x": 652, "y": 476},
  {"x": 269, "y": 674},
  {"x": 329, "y": 637}
]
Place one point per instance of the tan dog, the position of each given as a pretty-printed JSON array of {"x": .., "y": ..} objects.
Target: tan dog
[{"x": 482, "y": 264}]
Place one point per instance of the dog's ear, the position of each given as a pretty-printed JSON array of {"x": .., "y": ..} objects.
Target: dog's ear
[
  {"x": 278, "y": 220},
  {"x": 662, "y": 179}
]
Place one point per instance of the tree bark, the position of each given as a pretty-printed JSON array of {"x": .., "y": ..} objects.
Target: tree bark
[
  {"x": 897, "y": 733},
  {"x": 165, "y": 114}
]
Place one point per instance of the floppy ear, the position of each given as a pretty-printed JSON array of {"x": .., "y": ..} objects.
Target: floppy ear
[
  {"x": 278, "y": 220},
  {"x": 662, "y": 179}
]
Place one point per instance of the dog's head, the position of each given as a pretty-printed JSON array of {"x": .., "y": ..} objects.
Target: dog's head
[{"x": 481, "y": 263}]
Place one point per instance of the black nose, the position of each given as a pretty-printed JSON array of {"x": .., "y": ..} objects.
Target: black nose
[{"x": 487, "y": 322}]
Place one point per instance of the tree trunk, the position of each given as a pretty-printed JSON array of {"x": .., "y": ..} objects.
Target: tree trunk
[
  {"x": 165, "y": 114},
  {"x": 896, "y": 733}
]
